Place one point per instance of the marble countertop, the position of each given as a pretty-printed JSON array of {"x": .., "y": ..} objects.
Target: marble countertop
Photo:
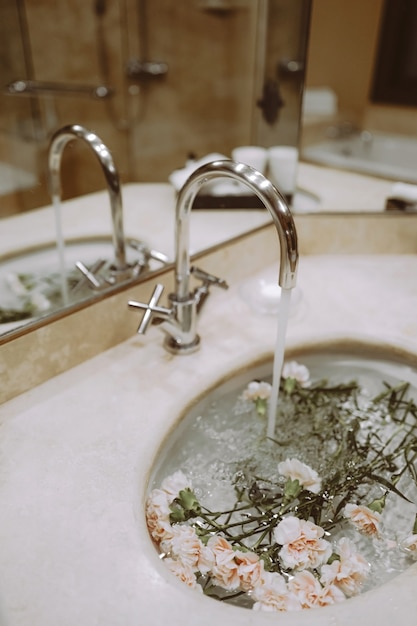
[{"x": 76, "y": 452}]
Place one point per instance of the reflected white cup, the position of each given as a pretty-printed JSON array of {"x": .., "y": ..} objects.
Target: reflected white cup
[
  {"x": 282, "y": 168},
  {"x": 255, "y": 156}
]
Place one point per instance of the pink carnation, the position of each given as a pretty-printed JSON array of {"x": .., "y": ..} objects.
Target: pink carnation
[
  {"x": 185, "y": 546},
  {"x": 157, "y": 515},
  {"x": 225, "y": 570},
  {"x": 183, "y": 572},
  {"x": 310, "y": 593},
  {"x": 349, "y": 572},
  {"x": 272, "y": 594},
  {"x": 302, "y": 543},
  {"x": 250, "y": 569},
  {"x": 364, "y": 519},
  {"x": 296, "y": 470}
]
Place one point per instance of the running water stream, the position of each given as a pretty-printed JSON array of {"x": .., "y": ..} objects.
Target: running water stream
[
  {"x": 283, "y": 314},
  {"x": 60, "y": 243}
]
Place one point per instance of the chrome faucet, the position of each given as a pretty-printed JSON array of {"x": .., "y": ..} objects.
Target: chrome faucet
[
  {"x": 120, "y": 269},
  {"x": 179, "y": 321}
]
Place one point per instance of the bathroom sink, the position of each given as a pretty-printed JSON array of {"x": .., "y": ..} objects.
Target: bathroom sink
[
  {"x": 220, "y": 456},
  {"x": 31, "y": 283}
]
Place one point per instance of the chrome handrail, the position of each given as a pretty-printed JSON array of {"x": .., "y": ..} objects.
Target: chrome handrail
[{"x": 42, "y": 88}]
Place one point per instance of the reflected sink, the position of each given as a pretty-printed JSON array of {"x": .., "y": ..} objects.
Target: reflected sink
[
  {"x": 31, "y": 284},
  {"x": 220, "y": 447}
]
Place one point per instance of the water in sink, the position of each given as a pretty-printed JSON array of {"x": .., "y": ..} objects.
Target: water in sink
[
  {"x": 358, "y": 450},
  {"x": 31, "y": 281}
]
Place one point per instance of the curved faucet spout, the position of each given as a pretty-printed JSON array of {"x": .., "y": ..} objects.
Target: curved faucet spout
[
  {"x": 58, "y": 143},
  {"x": 179, "y": 321},
  {"x": 272, "y": 199}
]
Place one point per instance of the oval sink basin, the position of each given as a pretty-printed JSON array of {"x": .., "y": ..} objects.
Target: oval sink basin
[{"x": 339, "y": 469}]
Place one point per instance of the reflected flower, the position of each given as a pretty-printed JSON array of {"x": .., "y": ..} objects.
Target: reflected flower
[
  {"x": 297, "y": 371},
  {"x": 257, "y": 390},
  {"x": 410, "y": 546}
]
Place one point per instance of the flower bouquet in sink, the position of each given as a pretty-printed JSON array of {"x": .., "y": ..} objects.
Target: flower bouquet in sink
[{"x": 318, "y": 513}]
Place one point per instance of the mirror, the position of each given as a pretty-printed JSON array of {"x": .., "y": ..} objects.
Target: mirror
[
  {"x": 158, "y": 81},
  {"x": 361, "y": 59}
]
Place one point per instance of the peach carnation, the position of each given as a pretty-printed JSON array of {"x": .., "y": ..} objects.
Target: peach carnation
[
  {"x": 349, "y": 572},
  {"x": 302, "y": 543},
  {"x": 310, "y": 593},
  {"x": 272, "y": 594},
  {"x": 250, "y": 569},
  {"x": 183, "y": 572},
  {"x": 296, "y": 470},
  {"x": 175, "y": 483},
  {"x": 157, "y": 515},
  {"x": 225, "y": 570},
  {"x": 364, "y": 519},
  {"x": 185, "y": 546}
]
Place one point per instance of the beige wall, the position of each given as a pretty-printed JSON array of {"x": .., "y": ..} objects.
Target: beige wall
[
  {"x": 342, "y": 48},
  {"x": 343, "y": 36}
]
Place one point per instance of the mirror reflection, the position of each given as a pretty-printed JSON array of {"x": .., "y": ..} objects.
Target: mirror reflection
[
  {"x": 360, "y": 100},
  {"x": 162, "y": 84}
]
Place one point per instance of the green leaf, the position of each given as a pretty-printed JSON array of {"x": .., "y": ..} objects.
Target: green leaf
[
  {"x": 333, "y": 557},
  {"x": 292, "y": 489},
  {"x": 184, "y": 507},
  {"x": 383, "y": 481},
  {"x": 187, "y": 499},
  {"x": 378, "y": 504},
  {"x": 177, "y": 514},
  {"x": 261, "y": 404},
  {"x": 289, "y": 385}
]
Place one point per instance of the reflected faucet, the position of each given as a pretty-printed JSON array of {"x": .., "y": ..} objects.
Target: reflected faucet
[
  {"x": 179, "y": 321},
  {"x": 56, "y": 149}
]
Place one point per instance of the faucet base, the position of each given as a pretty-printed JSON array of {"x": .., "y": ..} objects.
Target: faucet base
[{"x": 175, "y": 347}]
